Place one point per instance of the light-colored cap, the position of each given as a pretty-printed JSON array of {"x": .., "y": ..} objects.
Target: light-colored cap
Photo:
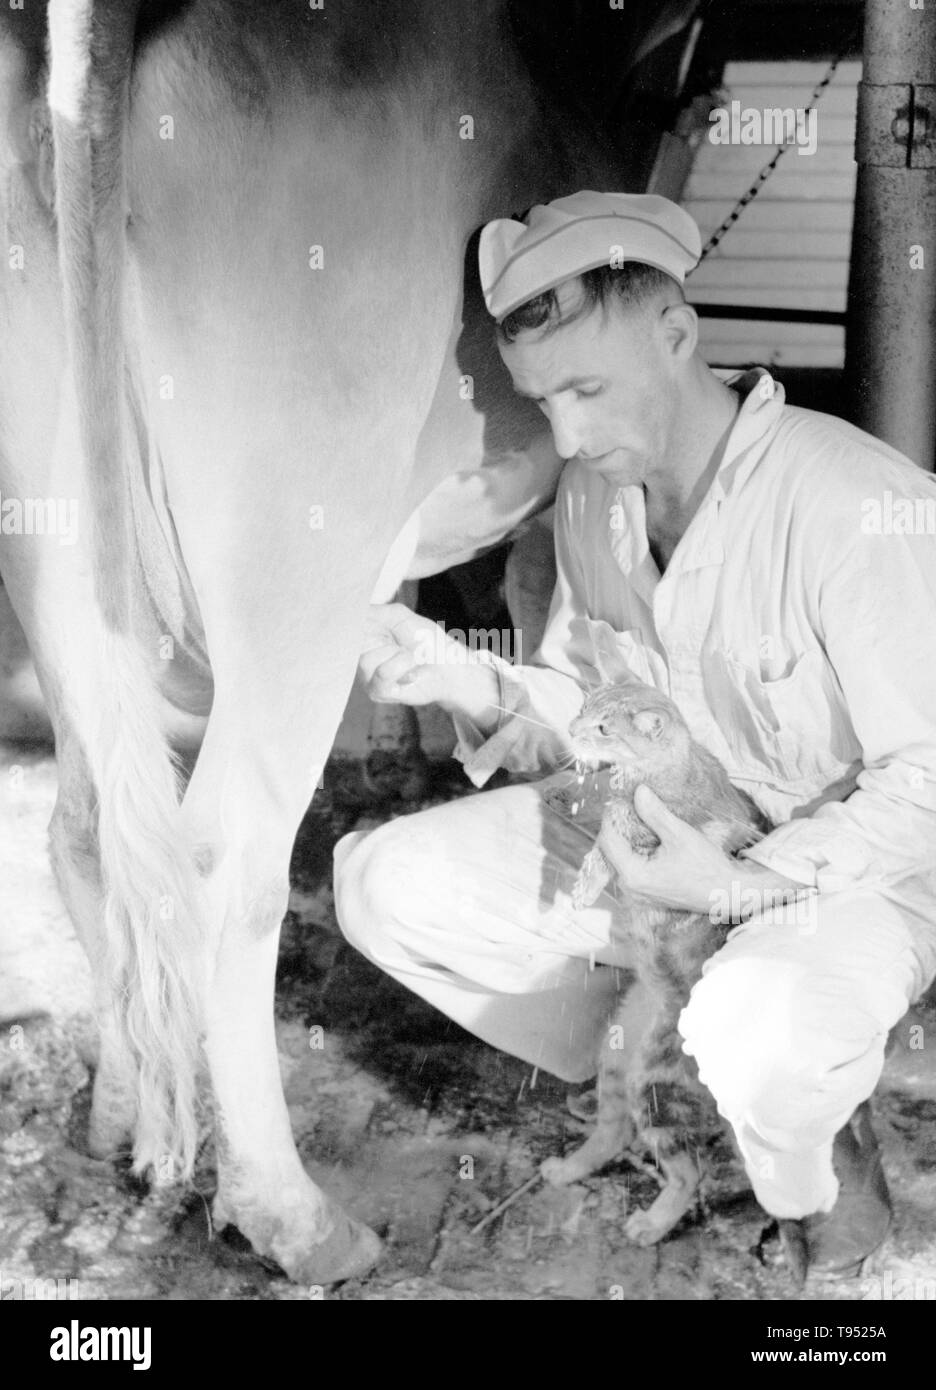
[{"x": 519, "y": 260}]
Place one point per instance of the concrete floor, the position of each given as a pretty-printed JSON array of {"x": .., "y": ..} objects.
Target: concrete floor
[{"x": 418, "y": 1127}]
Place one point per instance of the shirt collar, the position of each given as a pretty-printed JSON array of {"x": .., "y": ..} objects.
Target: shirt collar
[{"x": 761, "y": 407}]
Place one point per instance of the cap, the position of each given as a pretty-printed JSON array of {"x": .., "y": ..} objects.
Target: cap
[{"x": 519, "y": 260}]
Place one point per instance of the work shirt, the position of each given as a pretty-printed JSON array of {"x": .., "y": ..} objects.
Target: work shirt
[{"x": 794, "y": 627}]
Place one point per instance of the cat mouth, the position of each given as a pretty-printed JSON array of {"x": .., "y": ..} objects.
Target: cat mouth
[
  {"x": 593, "y": 757},
  {"x": 587, "y": 759}
]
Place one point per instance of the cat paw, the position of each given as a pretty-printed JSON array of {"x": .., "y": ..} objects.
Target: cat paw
[
  {"x": 559, "y": 1172},
  {"x": 642, "y": 1229}
]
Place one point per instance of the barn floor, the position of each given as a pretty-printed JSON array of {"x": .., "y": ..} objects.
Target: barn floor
[{"x": 418, "y": 1127}]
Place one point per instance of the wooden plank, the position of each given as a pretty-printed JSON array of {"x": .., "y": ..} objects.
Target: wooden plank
[
  {"x": 792, "y": 186},
  {"x": 785, "y": 335},
  {"x": 831, "y": 134},
  {"x": 766, "y": 214},
  {"x": 840, "y": 98},
  {"x": 805, "y": 73},
  {"x": 835, "y": 128},
  {"x": 783, "y": 297},
  {"x": 788, "y": 274},
  {"x": 746, "y": 161},
  {"x": 746, "y": 244},
  {"x": 839, "y": 106}
]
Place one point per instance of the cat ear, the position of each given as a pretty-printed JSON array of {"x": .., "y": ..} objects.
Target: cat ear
[{"x": 650, "y": 723}]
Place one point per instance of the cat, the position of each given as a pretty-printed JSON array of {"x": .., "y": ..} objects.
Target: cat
[{"x": 649, "y": 1092}]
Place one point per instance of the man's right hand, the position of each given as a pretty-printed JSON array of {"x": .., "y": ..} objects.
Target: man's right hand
[{"x": 409, "y": 660}]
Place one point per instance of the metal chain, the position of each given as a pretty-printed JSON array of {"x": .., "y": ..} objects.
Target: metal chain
[{"x": 768, "y": 168}]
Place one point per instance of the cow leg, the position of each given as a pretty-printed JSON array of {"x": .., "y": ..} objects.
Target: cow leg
[
  {"x": 288, "y": 447},
  {"x": 255, "y": 775},
  {"x": 262, "y": 1186}
]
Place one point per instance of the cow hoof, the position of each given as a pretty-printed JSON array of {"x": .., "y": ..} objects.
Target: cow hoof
[
  {"x": 349, "y": 1251},
  {"x": 315, "y": 1245}
]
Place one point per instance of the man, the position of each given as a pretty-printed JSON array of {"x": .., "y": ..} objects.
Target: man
[{"x": 721, "y": 541}]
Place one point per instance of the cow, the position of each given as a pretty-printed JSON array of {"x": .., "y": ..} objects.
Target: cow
[{"x": 242, "y": 345}]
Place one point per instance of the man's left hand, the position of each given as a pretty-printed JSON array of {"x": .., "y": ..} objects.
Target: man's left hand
[{"x": 687, "y": 871}]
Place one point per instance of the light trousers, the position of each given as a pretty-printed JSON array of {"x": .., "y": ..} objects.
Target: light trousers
[{"x": 469, "y": 905}]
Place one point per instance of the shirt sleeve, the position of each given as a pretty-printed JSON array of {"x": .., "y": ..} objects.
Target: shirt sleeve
[
  {"x": 538, "y": 701},
  {"x": 877, "y": 622}
]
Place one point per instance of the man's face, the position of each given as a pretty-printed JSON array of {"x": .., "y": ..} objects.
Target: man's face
[{"x": 605, "y": 382}]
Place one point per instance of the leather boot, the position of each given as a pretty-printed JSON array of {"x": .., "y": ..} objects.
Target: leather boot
[{"x": 839, "y": 1241}]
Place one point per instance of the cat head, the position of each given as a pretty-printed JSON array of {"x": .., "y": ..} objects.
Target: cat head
[{"x": 627, "y": 722}]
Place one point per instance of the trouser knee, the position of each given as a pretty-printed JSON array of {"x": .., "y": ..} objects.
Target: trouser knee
[
  {"x": 778, "y": 1047},
  {"x": 384, "y": 880}
]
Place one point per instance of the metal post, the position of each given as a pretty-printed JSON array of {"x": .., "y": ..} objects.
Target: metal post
[{"x": 890, "y": 358}]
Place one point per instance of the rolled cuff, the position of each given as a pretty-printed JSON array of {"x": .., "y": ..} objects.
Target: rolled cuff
[{"x": 520, "y": 742}]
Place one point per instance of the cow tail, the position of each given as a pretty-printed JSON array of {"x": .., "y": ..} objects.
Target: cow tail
[{"x": 154, "y": 954}]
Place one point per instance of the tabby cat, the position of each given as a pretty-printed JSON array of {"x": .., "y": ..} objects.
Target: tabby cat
[{"x": 650, "y": 1092}]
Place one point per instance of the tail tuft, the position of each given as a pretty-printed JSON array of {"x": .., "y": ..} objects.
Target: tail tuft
[{"x": 152, "y": 913}]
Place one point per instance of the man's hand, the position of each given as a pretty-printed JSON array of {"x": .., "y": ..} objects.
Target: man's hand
[
  {"x": 409, "y": 660},
  {"x": 687, "y": 871}
]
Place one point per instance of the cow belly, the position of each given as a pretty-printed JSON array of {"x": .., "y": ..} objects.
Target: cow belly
[{"x": 287, "y": 400}]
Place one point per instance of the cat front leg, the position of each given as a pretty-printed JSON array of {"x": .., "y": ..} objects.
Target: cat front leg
[
  {"x": 613, "y": 1135},
  {"x": 610, "y": 1140},
  {"x": 626, "y": 822},
  {"x": 680, "y": 1184}
]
